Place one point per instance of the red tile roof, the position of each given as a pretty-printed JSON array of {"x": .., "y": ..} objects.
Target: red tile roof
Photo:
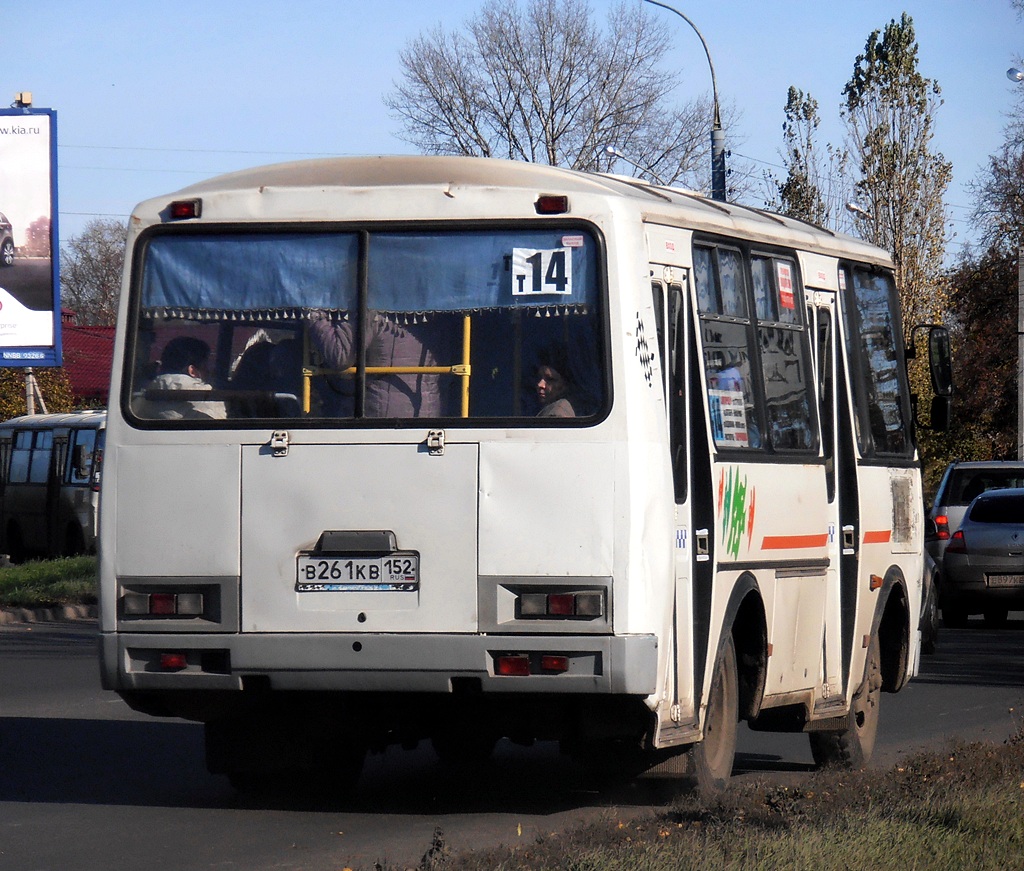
[{"x": 88, "y": 356}]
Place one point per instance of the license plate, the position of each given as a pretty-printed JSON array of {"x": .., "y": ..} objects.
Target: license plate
[
  {"x": 332, "y": 574},
  {"x": 1005, "y": 580}
]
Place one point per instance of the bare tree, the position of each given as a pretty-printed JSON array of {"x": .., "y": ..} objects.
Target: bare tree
[
  {"x": 889, "y": 112},
  {"x": 814, "y": 184},
  {"x": 542, "y": 82},
  {"x": 90, "y": 271},
  {"x": 998, "y": 194}
]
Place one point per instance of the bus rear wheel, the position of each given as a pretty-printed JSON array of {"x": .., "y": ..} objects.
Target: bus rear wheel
[
  {"x": 712, "y": 759},
  {"x": 852, "y": 747},
  {"x": 15, "y": 544},
  {"x": 74, "y": 540}
]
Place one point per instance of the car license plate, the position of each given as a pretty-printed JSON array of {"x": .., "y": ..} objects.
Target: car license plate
[
  {"x": 1005, "y": 580},
  {"x": 331, "y": 574}
]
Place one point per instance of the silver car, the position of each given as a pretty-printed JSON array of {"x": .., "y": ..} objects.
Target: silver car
[
  {"x": 983, "y": 566},
  {"x": 961, "y": 482}
]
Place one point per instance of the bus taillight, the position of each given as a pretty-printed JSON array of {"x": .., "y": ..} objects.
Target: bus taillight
[
  {"x": 180, "y": 210},
  {"x": 586, "y": 604},
  {"x": 552, "y": 204},
  {"x": 173, "y": 661},
  {"x": 163, "y": 604},
  {"x": 512, "y": 665}
]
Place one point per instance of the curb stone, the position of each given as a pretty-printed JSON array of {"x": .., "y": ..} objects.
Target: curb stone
[{"x": 61, "y": 613}]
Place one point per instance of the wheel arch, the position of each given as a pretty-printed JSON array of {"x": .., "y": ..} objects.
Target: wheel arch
[
  {"x": 745, "y": 620},
  {"x": 892, "y": 622}
]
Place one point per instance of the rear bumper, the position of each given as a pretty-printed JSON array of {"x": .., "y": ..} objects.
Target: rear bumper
[{"x": 619, "y": 665}]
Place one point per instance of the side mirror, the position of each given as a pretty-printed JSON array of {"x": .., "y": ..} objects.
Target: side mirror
[
  {"x": 940, "y": 364},
  {"x": 940, "y": 360}
]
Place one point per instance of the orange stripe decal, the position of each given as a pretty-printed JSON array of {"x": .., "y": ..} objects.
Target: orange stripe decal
[
  {"x": 879, "y": 536},
  {"x": 791, "y": 542}
]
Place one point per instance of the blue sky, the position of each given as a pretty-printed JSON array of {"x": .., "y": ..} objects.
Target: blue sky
[{"x": 152, "y": 96}]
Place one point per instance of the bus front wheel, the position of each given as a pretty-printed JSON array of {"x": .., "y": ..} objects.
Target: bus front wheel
[
  {"x": 852, "y": 747},
  {"x": 713, "y": 757}
]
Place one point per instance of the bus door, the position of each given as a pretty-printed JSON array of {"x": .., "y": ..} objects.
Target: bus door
[
  {"x": 692, "y": 570},
  {"x": 391, "y": 524},
  {"x": 840, "y": 482}
]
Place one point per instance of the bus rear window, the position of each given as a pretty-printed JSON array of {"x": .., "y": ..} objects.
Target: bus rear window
[{"x": 356, "y": 327}]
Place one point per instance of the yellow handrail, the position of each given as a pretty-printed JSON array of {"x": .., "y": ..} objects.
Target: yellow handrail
[{"x": 461, "y": 370}]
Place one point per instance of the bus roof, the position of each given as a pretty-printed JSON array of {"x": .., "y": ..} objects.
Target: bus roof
[
  {"x": 655, "y": 203},
  {"x": 90, "y": 417}
]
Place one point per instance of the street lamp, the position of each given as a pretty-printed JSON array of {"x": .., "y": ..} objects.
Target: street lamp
[
  {"x": 1017, "y": 76},
  {"x": 717, "y": 133},
  {"x": 614, "y": 152}
]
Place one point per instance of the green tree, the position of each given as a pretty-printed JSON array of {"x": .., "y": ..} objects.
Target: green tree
[
  {"x": 812, "y": 188},
  {"x": 983, "y": 302},
  {"x": 542, "y": 81},
  {"x": 53, "y": 383},
  {"x": 889, "y": 111}
]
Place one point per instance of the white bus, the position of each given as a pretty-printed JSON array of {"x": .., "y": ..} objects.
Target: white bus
[
  {"x": 50, "y": 483},
  {"x": 456, "y": 449}
]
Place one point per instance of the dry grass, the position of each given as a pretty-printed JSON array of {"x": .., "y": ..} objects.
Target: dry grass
[{"x": 960, "y": 808}]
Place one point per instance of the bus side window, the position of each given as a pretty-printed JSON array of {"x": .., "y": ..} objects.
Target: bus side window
[
  {"x": 39, "y": 465},
  {"x": 658, "y": 292},
  {"x": 79, "y": 467},
  {"x": 21, "y": 454},
  {"x": 726, "y": 341},
  {"x": 874, "y": 341},
  {"x": 677, "y": 389},
  {"x": 785, "y": 358}
]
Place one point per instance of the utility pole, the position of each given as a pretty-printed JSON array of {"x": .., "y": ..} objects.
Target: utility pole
[{"x": 718, "y": 170}]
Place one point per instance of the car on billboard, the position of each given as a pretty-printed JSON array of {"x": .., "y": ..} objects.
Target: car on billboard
[{"x": 6, "y": 241}]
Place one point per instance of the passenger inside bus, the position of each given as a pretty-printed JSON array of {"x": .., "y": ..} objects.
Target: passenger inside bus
[
  {"x": 183, "y": 364},
  {"x": 387, "y": 343},
  {"x": 268, "y": 377},
  {"x": 555, "y": 388}
]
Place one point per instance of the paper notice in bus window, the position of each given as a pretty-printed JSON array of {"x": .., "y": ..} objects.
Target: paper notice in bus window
[
  {"x": 728, "y": 418},
  {"x": 541, "y": 272},
  {"x": 784, "y": 275}
]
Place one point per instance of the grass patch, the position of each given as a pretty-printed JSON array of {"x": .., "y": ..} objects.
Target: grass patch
[
  {"x": 49, "y": 583},
  {"x": 960, "y": 808}
]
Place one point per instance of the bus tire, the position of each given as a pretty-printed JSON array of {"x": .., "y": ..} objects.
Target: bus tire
[
  {"x": 712, "y": 758},
  {"x": 15, "y": 544},
  {"x": 930, "y": 619},
  {"x": 852, "y": 747},
  {"x": 74, "y": 540}
]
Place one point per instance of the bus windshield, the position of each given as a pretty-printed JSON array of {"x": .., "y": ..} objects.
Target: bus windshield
[{"x": 362, "y": 325}]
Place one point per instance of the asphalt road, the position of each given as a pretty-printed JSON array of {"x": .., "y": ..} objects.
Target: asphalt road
[{"x": 87, "y": 784}]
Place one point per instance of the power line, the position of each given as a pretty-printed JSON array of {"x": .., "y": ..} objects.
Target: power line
[{"x": 61, "y": 146}]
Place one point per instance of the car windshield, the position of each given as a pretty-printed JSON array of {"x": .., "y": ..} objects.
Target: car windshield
[{"x": 999, "y": 508}]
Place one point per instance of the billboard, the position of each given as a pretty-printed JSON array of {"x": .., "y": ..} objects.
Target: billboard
[{"x": 29, "y": 252}]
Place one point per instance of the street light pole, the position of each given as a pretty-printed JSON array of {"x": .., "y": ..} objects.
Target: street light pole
[
  {"x": 1016, "y": 76},
  {"x": 718, "y": 171}
]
